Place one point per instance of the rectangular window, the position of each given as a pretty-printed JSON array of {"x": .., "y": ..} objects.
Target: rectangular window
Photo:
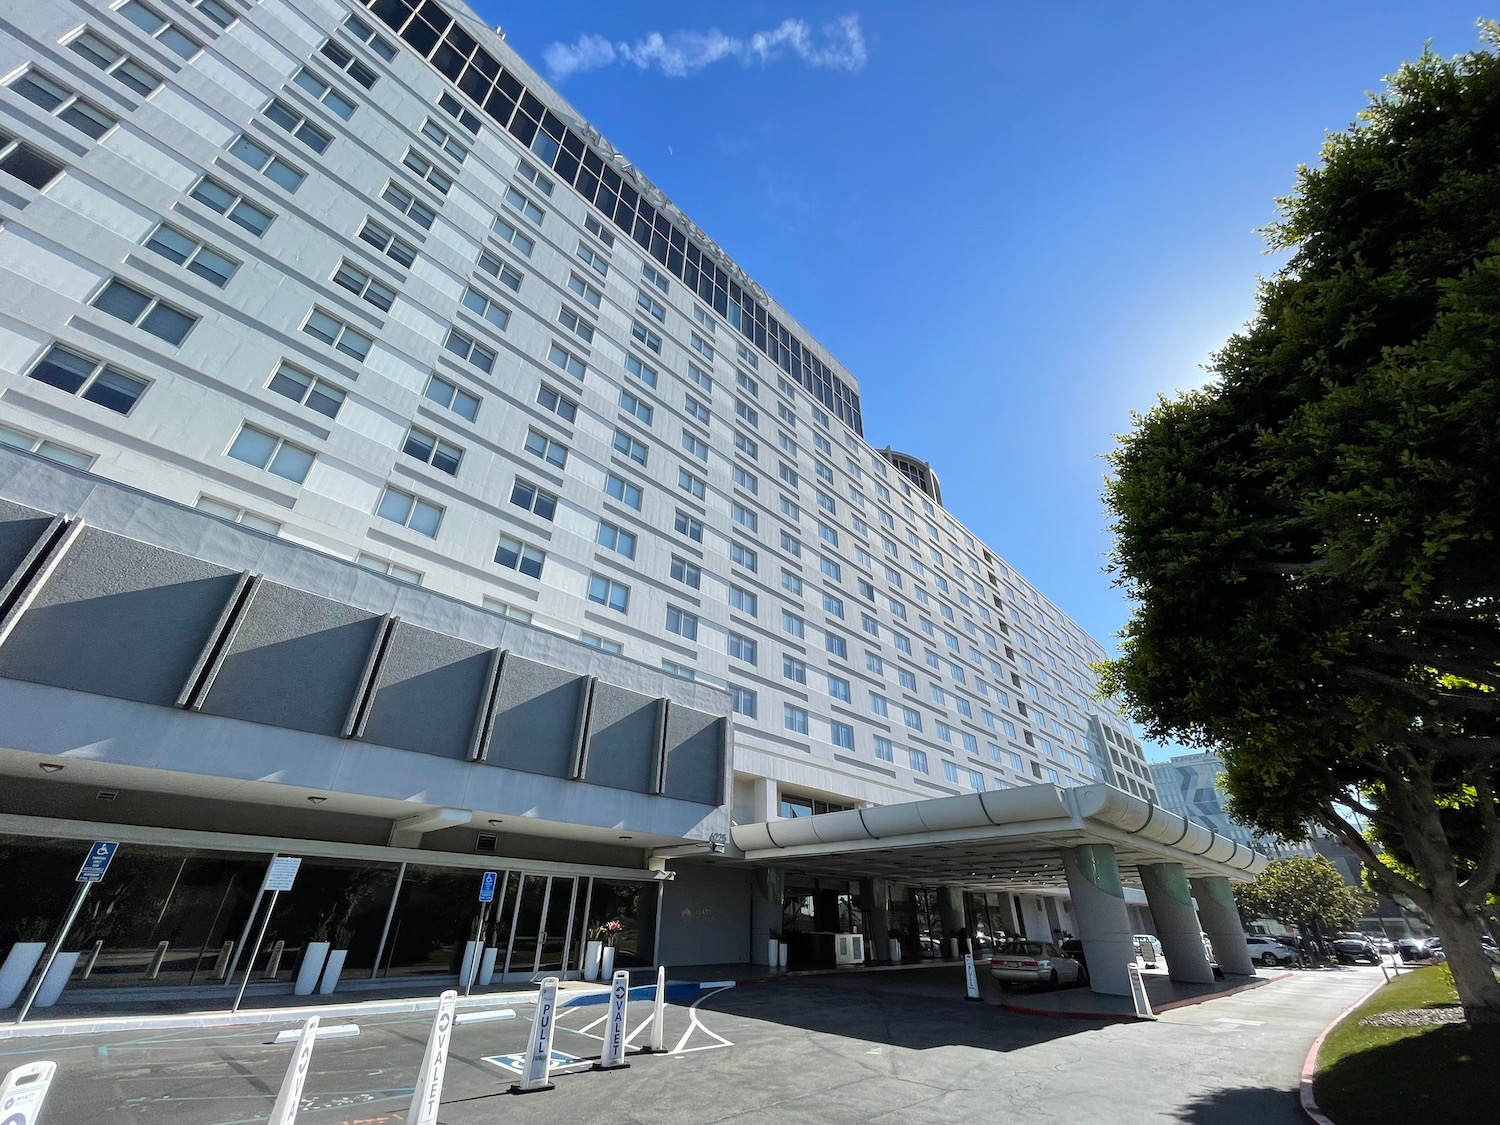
[
  {"x": 875, "y": 663},
  {"x": 702, "y": 378},
  {"x": 746, "y": 445},
  {"x": 512, "y": 237},
  {"x": 688, "y": 525},
  {"x": 655, "y": 277},
  {"x": 427, "y": 170},
  {"x": 794, "y": 719},
  {"x": 746, "y": 413},
  {"x": 618, "y": 488},
  {"x": 616, "y": 539},
  {"x": 409, "y": 205},
  {"x": 455, "y": 398},
  {"x": 512, "y": 554},
  {"x": 63, "y": 104},
  {"x": 742, "y": 648},
  {"x": 471, "y": 351},
  {"x": 528, "y": 210},
  {"x": 593, "y": 259},
  {"x": 743, "y": 516},
  {"x": 950, "y": 772},
  {"x": 593, "y": 226},
  {"x": 828, "y": 534},
  {"x": 549, "y": 399},
  {"x": 481, "y": 306},
  {"x": 149, "y": 314},
  {"x": 584, "y": 291},
  {"x": 685, "y": 572},
  {"x": 741, "y": 555},
  {"x": 628, "y": 446},
  {"x": 642, "y": 372},
  {"x": 912, "y": 717},
  {"x": 529, "y": 173},
  {"x": 702, "y": 347},
  {"x": 304, "y": 389},
  {"x": 635, "y": 407},
  {"x": 879, "y": 705},
  {"x": 398, "y": 250},
  {"x": 31, "y": 443},
  {"x": 744, "y": 601},
  {"x": 233, "y": 206},
  {"x": 593, "y": 640},
  {"x": 92, "y": 379},
  {"x": 158, "y": 27},
  {"x": 746, "y": 480},
  {"x": 362, "y": 285},
  {"x": 944, "y": 731},
  {"x": 345, "y": 61},
  {"x": 116, "y": 63},
  {"x": 279, "y": 113},
  {"x": 608, "y": 592},
  {"x": 336, "y": 333},
  {"x": 275, "y": 455},
  {"x": 365, "y": 34},
  {"x": 575, "y": 324},
  {"x": 538, "y": 501},
  {"x": 320, "y": 90},
  {"x": 838, "y": 688},
  {"x": 503, "y": 272},
  {"x": 791, "y": 545},
  {"x": 841, "y": 734},
  {"x": 702, "y": 318},
  {"x": 695, "y": 409},
  {"x": 650, "y": 340},
  {"x": 743, "y": 701},
  {"x": 565, "y": 360},
  {"x": 788, "y": 507},
  {"x": 540, "y": 445},
  {"x": 692, "y": 485},
  {"x": 793, "y": 625},
  {"x": 651, "y": 306},
  {"x": 791, "y": 582},
  {"x": 261, "y": 159},
  {"x": 411, "y": 511},
  {"x": 683, "y": 623},
  {"x": 836, "y": 645},
  {"x": 917, "y": 760},
  {"x": 746, "y": 356},
  {"x": 833, "y": 606},
  {"x": 237, "y": 515},
  {"x": 884, "y": 750},
  {"x": 444, "y": 140}
]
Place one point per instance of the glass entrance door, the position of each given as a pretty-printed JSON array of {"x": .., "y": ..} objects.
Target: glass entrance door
[
  {"x": 557, "y": 921},
  {"x": 541, "y": 920}
]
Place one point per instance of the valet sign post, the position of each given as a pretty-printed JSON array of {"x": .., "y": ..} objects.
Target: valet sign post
[{"x": 23, "y": 1091}]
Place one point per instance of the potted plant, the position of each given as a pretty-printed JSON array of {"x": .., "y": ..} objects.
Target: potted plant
[
  {"x": 781, "y": 953},
  {"x": 491, "y": 951},
  {"x": 592, "y": 951},
  {"x": 31, "y": 940},
  {"x": 313, "y": 957},
  {"x": 342, "y": 936},
  {"x": 609, "y": 932}
]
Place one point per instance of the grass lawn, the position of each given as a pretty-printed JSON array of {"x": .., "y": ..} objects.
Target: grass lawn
[{"x": 1401, "y": 1075}]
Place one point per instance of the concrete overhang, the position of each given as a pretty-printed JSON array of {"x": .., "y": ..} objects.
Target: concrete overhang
[{"x": 1002, "y": 840}]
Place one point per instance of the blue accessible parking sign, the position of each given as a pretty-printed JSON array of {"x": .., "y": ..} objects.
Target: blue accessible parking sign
[
  {"x": 487, "y": 887},
  {"x": 97, "y": 863}
]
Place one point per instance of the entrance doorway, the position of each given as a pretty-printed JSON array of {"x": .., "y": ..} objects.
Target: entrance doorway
[{"x": 536, "y": 922}]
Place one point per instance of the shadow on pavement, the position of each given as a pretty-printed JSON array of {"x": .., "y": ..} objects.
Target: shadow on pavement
[{"x": 1245, "y": 1105}]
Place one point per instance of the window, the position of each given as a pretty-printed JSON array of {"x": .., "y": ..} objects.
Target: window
[
  {"x": 612, "y": 538},
  {"x": 688, "y": 525},
  {"x": 793, "y": 625},
  {"x": 592, "y": 258},
  {"x": 743, "y": 516},
  {"x": 427, "y": 170},
  {"x": 216, "y": 12},
  {"x": 608, "y": 592},
  {"x": 409, "y": 205},
  {"x": 365, "y": 34},
  {"x": 838, "y": 688},
  {"x": 595, "y": 641},
  {"x": 512, "y": 554},
  {"x": 642, "y": 372},
  {"x": 700, "y": 316},
  {"x": 695, "y": 409},
  {"x": 345, "y": 61},
  {"x": 743, "y": 701},
  {"x": 836, "y": 645},
  {"x": 584, "y": 290},
  {"x": 741, "y": 555},
  {"x": 635, "y": 407},
  {"x": 232, "y": 206},
  {"x": 794, "y": 719},
  {"x": 565, "y": 360},
  {"x": 98, "y": 382},
  {"x": 432, "y": 450},
  {"x": 824, "y": 472},
  {"x": 746, "y": 356},
  {"x": 746, "y": 413},
  {"x": 791, "y": 545},
  {"x": 702, "y": 347},
  {"x": 538, "y": 501},
  {"x": 592, "y": 225},
  {"x": 884, "y": 750},
  {"x": 944, "y": 731},
  {"x": 116, "y": 63},
  {"x": 513, "y": 238},
  {"x": 908, "y": 679},
  {"x": 912, "y": 717},
  {"x": 496, "y": 606},
  {"x": 828, "y": 534},
  {"x": 655, "y": 277},
  {"x": 692, "y": 485},
  {"x": 322, "y": 91},
  {"x": 402, "y": 507},
  {"x": 841, "y": 734},
  {"x": 789, "y": 507},
  {"x": 628, "y": 446},
  {"x": 540, "y": 445},
  {"x": 617, "y": 488},
  {"x": 63, "y": 104},
  {"x": 365, "y": 287},
  {"x": 744, "y": 600},
  {"x": 503, "y": 272},
  {"x": 874, "y": 662},
  {"x": 297, "y": 125},
  {"x": 651, "y": 306},
  {"x": 686, "y": 573},
  {"x": 831, "y": 569},
  {"x": 742, "y": 648},
  {"x": 644, "y": 336},
  {"x": 397, "y": 250},
  {"x": 950, "y": 772},
  {"x": 275, "y": 169},
  {"x": 444, "y": 140},
  {"x": 30, "y": 443},
  {"x": 746, "y": 480},
  {"x": 168, "y": 34},
  {"x": 481, "y": 306},
  {"x": 528, "y": 210},
  {"x": 455, "y": 398},
  {"x": 575, "y": 324},
  {"x": 149, "y": 314},
  {"x": 917, "y": 760},
  {"x": 302, "y": 388},
  {"x": 330, "y": 330},
  {"x": 746, "y": 445},
  {"x": 275, "y": 455},
  {"x": 470, "y": 350},
  {"x": 833, "y": 606},
  {"x": 529, "y": 173},
  {"x": 237, "y": 515},
  {"x": 879, "y": 705},
  {"x": 683, "y": 623},
  {"x": 791, "y": 583},
  {"x": 701, "y": 377}
]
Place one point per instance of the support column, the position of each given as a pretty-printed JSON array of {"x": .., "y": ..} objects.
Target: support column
[
  {"x": 875, "y": 901},
  {"x": 1221, "y": 922},
  {"x": 1176, "y": 922},
  {"x": 951, "y": 915},
  {"x": 1104, "y": 923},
  {"x": 765, "y": 910}
]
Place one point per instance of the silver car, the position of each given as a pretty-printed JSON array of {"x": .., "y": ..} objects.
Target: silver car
[
  {"x": 1268, "y": 951},
  {"x": 1034, "y": 962}
]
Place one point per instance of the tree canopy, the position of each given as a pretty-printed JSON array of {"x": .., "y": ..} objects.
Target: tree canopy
[
  {"x": 1301, "y": 891},
  {"x": 1309, "y": 542}
]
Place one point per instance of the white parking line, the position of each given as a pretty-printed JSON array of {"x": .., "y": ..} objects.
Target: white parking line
[{"x": 694, "y": 1023}]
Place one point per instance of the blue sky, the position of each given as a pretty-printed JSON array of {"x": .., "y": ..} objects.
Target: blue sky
[{"x": 1013, "y": 223}]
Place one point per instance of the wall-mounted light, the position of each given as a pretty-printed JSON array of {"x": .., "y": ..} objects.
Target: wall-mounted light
[
  {"x": 49, "y": 767},
  {"x": 317, "y": 800},
  {"x": 497, "y": 823}
]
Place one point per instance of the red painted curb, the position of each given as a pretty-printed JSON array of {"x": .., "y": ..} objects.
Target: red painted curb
[
  {"x": 1310, "y": 1064},
  {"x": 1189, "y": 1001}
]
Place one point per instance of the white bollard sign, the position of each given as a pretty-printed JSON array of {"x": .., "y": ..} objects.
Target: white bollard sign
[
  {"x": 971, "y": 979},
  {"x": 284, "y": 1112},
  {"x": 23, "y": 1091},
  {"x": 537, "y": 1066},
  {"x": 613, "y": 1056},
  {"x": 428, "y": 1093},
  {"x": 1138, "y": 992},
  {"x": 659, "y": 1013}
]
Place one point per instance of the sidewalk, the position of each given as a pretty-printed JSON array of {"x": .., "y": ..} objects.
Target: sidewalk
[{"x": 1163, "y": 992}]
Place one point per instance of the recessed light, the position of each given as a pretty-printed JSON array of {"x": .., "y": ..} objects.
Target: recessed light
[
  {"x": 497, "y": 822},
  {"x": 622, "y": 837},
  {"x": 317, "y": 800},
  {"x": 49, "y": 767}
]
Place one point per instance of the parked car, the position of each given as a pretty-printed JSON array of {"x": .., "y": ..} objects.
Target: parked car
[
  {"x": 1417, "y": 949},
  {"x": 1350, "y": 948},
  {"x": 1034, "y": 962},
  {"x": 1073, "y": 947},
  {"x": 1213, "y": 961},
  {"x": 1148, "y": 949},
  {"x": 1268, "y": 951}
]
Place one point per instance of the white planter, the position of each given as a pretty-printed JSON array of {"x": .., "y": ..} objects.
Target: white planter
[
  {"x": 487, "y": 965},
  {"x": 781, "y": 955},
  {"x": 607, "y": 962},
  {"x": 773, "y": 952},
  {"x": 331, "y": 970},
  {"x": 591, "y": 954},
  {"x": 312, "y": 967},
  {"x": 469, "y": 963},
  {"x": 895, "y": 950},
  {"x": 56, "y": 979},
  {"x": 17, "y": 970}
]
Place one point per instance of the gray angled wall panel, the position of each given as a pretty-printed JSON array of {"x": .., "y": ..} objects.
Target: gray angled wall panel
[
  {"x": 536, "y": 714},
  {"x": 695, "y": 756},
  {"x": 295, "y": 662},
  {"x": 20, "y": 528},
  {"x": 428, "y": 695},
  {"x": 622, "y": 748}
]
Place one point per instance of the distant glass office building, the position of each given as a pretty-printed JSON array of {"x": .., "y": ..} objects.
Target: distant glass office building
[
  {"x": 395, "y": 475},
  {"x": 1189, "y": 786}
]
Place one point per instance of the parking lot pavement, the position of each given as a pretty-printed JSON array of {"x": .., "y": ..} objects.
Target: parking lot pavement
[{"x": 881, "y": 1049}]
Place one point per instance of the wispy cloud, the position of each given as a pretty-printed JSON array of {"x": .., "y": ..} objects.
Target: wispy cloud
[{"x": 677, "y": 54}]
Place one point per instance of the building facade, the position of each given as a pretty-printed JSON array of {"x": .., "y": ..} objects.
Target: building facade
[
  {"x": 352, "y": 283},
  {"x": 1188, "y": 784}
]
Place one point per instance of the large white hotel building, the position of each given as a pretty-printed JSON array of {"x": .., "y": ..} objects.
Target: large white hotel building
[{"x": 393, "y": 476}]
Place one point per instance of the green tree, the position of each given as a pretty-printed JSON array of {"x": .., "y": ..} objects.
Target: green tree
[
  {"x": 1304, "y": 892},
  {"x": 1310, "y": 541}
]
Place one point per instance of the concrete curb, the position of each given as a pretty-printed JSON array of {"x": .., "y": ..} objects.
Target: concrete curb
[
  {"x": 1130, "y": 1017},
  {"x": 1305, "y": 1094}
]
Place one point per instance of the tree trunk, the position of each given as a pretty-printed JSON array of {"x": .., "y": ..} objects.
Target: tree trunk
[{"x": 1473, "y": 975}]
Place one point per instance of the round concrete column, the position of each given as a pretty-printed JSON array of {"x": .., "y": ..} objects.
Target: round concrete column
[
  {"x": 875, "y": 901},
  {"x": 1221, "y": 922},
  {"x": 1103, "y": 922},
  {"x": 1176, "y": 921}
]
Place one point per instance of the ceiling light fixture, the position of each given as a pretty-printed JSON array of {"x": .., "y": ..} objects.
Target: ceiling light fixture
[
  {"x": 317, "y": 800},
  {"x": 49, "y": 767},
  {"x": 497, "y": 823}
]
